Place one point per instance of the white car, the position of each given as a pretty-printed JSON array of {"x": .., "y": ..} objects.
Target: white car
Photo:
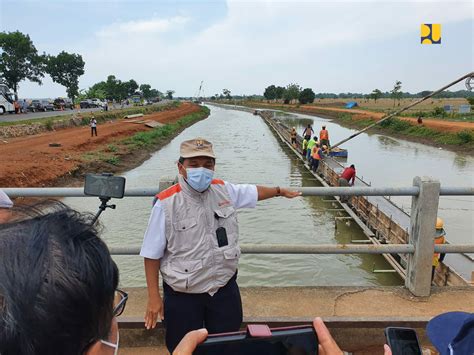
[{"x": 97, "y": 103}]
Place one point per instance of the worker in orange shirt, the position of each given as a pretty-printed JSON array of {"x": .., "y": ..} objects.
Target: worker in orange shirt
[{"x": 324, "y": 137}]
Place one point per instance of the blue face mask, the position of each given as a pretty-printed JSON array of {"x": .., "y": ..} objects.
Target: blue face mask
[{"x": 199, "y": 178}]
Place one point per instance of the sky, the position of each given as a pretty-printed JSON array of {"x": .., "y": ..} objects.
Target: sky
[{"x": 244, "y": 46}]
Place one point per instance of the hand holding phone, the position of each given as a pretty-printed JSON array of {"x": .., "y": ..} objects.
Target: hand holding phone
[{"x": 402, "y": 341}]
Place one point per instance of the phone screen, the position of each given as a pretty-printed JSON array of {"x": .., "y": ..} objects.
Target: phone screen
[
  {"x": 297, "y": 341},
  {"x": 403, "y": 341}
]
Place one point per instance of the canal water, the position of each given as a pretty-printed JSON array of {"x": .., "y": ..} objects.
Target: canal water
[
  {"x": 386, "y": 161},
  {"x": 248, "y": 152}
]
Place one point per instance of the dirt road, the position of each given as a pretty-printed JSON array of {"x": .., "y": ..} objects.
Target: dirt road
[{"x": 30, "y": 161}]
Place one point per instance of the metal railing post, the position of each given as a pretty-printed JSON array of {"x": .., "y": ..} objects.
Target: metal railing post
[{"x": 424, "y": 210}]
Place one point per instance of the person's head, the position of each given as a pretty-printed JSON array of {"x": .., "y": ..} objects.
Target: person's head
[
  {"x": 57, "y": 284},
  {"x": 353, "y": 166},
  {"x": 309, "y": 125},
  {"x": 315, "y": 138},
  {"x": 5, "y": 205},
  {"x": 324, "y": 127},
  {"x": 197, "y": 163},
  {"x": 452, "y": 333}
]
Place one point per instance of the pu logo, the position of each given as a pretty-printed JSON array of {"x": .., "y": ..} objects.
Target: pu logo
[{"x": 431, "y": 33}]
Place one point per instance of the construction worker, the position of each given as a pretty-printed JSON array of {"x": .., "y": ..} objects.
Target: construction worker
[
  {"x": 324, "y": 136},
  {"x": 347, "y": 178},
  {"x": 293, "y": 135},
  {"x": 440, "y": 238},
  {"x": 310, "y": 146},
  {"x": 315, "y": 157},
  {"x": 304, "y": 147},
  {"x": 308, "y": 131}
]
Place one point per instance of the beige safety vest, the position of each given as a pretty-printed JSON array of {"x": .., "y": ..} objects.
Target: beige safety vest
[{"x": 193, "y": 262}]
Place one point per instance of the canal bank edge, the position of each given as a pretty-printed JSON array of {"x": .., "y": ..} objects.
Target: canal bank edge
[
  {"x": 132, "y": 151},
  {"x": 462, "y": 141},
  {"x": 368, "y": 307}
]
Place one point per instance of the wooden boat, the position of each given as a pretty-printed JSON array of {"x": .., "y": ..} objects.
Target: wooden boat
[{"x": 338, "y": 153}]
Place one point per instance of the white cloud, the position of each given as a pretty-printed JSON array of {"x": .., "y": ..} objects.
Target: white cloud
[
  {"x": 143, "y": 27},
  {"x": 329, "y": 46}
]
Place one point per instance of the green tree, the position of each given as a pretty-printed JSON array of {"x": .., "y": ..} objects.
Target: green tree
[
  {"x": 470, "y": 100},
  {"x": 226, "y": 93},
  {"x": 279, "y": 92},
  {"x": 145, "y": 89},
  {"x": 155, "y": 93},
  {"x": 396, "y": 92},
  {"x": 376, "y": 94},
  {"x": 19, "y": 60},
  {"x": 292, "y": 92},
  {"x": 65, "y": 69},
  {"x": 306, "y": 96},
  {"x": 129, "y": 88},
  {"x": 270, "y": 92},
  {"x": 169, "y": 94}
]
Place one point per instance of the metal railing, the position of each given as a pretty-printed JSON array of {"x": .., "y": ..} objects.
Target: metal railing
[{"x": 420, "y": 248}]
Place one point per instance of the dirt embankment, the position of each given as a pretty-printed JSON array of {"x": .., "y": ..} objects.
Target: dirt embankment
[
  {"x": 438, "y": 125},
  {"x": 31, "y": 161}
]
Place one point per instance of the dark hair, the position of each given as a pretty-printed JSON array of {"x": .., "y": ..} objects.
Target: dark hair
[
  {"x": 57, "y": 283},
  {"x": 352, "y": 166},
  {"x": 315, "y": 138}
]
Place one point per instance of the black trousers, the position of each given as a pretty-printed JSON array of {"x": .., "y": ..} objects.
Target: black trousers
[
  {"x": 93, "y": 130},
  {"x": 189, "y": 311}
]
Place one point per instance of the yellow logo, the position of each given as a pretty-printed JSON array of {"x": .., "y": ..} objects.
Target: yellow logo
[
  {"x": 431, "y": 33},
  {"x": 199, "y": 143}
]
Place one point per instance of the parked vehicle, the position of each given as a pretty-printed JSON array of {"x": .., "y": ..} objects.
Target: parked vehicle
[
  {"x": 6, "y": 100},
  {"x": 85, "y": 104},
  {"x": 63, "y": 103},
  {"x": 36, "y": 105},
  {"x": 97, "y": 103},
  {"x": 47, "y": 105}
]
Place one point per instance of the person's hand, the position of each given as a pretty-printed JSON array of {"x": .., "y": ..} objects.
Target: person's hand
[
  {"x": 327, "y": 345},
  {"x": 289, "y": 193},
  {"x": 387, "y": 350},
  {"x": 154, "y": 310},
  {"x": 190, "y": 341}
]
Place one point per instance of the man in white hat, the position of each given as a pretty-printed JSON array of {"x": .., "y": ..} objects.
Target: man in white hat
[
  {"x": 192, "y": 239},
  {"x": 5, "y": 205}
]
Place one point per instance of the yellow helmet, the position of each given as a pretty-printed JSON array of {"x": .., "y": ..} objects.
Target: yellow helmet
[{"x": 439, "y": 223}]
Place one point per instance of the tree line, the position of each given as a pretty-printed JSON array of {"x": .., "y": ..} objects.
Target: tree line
[
  {"x": 115, "y": 89},
  {"x": 20, "y": 60},
  {"x": 289, "y": 94},
  {"x": 293, "y": 92}
]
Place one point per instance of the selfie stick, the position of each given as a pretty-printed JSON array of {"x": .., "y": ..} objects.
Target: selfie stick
[{"x": 103, "y": 206}]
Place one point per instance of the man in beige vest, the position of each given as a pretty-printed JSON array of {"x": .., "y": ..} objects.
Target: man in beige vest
[{"x": 192, "y": 239}]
